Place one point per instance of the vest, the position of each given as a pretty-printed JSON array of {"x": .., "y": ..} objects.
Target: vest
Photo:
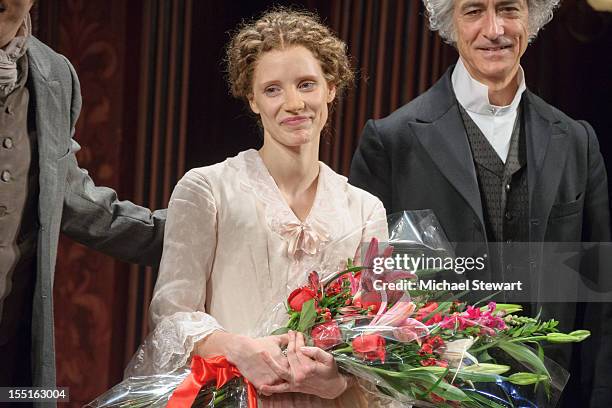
[
  {"x": 503, "y": 187},
  {"x": 18, "y": 217}
]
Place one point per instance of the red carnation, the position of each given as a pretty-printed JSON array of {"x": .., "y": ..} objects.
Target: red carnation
[
  {"x": 426, "y": 349},
  {"x": 425, "y": 311},
  {"x": 428, "y": 362},
  {"x": 326, "y": 335},
  {"x": 370, "y": 347}
]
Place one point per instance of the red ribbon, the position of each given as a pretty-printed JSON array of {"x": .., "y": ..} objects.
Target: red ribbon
[{"x": 204, "y": 371}]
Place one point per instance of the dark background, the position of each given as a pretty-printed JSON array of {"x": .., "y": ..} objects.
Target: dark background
[{"x": 156, "y": 104}]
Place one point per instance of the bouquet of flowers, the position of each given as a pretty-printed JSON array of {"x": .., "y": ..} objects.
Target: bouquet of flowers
[
  {"x": 425, "y": 348},
  {"x": 422, "y": 349}
]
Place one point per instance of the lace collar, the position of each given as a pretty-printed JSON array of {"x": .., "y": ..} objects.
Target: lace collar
[{"x": 303, "y": 238}]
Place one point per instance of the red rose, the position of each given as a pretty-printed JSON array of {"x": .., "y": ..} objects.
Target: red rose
[
  {"x": 326, "y": 335},
  {"x": 298, "y": 297},
  {"x": 370, "y": 347}
]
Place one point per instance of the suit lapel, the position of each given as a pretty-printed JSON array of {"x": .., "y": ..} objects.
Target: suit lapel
[
  {"x": 47, "y": 112},
  {"x": 446, "y": 143},
  {"x": 441, "y": 132},
  {"x": 546, "y": 155}
]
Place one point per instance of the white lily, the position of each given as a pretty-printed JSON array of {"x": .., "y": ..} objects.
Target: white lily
[{"x": 457, "y": 350}]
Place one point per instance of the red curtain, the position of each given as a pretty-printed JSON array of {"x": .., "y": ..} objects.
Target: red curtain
[{"x": 396, "y": 57}]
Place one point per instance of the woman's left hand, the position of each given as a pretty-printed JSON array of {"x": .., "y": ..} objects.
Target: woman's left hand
[{"x": 311, "y": 371}]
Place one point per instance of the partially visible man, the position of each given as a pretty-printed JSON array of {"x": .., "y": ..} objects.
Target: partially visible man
[
  {"x": 43, "y": 190},
  {"x": 495, "y": 162}
]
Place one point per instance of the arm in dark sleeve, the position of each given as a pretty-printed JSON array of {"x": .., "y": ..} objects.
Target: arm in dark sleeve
[
  {"x": 94, "y": 216},
  {"x": 596, "y": 225},
  {"x": 597, "y": 315},
  {"x": 370, "y": 168}
]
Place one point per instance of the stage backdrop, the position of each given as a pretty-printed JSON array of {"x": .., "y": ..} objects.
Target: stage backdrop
[{"x": 156, "y": 104}]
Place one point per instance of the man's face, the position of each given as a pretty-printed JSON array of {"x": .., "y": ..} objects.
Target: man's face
[
  {"x": 491, "y": 35},
  {"x": 12, "y": 13}
]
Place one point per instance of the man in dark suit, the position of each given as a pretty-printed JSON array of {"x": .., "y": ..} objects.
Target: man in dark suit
[
  {"x": 43, "y": 191},
  {"x": 496, "y": 163}
]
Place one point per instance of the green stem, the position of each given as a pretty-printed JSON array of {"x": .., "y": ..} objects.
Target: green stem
[
  {"x": 338, "y": 274},
  {"x": 521, "y": 339},
  {"x": 483, "y": 347},
  {"x": 220, "y": 397}
]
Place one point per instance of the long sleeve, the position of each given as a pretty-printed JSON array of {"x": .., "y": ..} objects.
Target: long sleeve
[
  {"x": 93, "y": 215},
  {"x": 177, "y": 310},
  {"x": 370, "y": 168},
  {"x": 376, "y": 224},
  {"x": 598, "y": 316}
]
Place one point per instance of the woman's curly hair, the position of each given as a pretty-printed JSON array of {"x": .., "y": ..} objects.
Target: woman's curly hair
[{"x": 278, "y": 29}]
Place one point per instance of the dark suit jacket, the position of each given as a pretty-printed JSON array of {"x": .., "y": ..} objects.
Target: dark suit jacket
[
  {"x": 419, "y": 157},
  {"x": 70, "y": 201}
]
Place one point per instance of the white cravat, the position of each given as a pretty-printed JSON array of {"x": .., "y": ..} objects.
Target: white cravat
[
  {"x": 495, "y": 122},
  {"x": 9, "y": 55}
]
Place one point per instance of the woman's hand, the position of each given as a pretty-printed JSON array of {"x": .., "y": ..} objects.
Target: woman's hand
[
  {"x": 311, "y": 371},
  {"x": 251, "y": 356}
]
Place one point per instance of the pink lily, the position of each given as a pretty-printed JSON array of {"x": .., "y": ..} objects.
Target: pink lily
[
  {"x": 405, "y": 328},
  {"x": 395, "y": 315},
  {"x": 411, "y": 330}
]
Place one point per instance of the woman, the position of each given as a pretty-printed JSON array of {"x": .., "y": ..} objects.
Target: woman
[{"x": 243, "y": 233}]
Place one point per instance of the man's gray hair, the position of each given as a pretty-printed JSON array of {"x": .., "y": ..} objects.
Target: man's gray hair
[{"x": 440, "y": 14}]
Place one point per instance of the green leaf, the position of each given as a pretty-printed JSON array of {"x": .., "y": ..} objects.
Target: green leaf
[
  {"x": 422, "y": 273},
  {"x": 484, "y": 347},
  {"x": 483, "y": 356},
  {"x": 527, "y": 378},
  {"x": 280, "y": 330},
  {"x": 308, "y": 316},
  {"x": 441, "y": 388},
  {"x": 435, "y": 385},
  {"x": 423, "y": 376},
  {"x": 540, "y": 351},
  {"x": 483, "y": 400},
  {"x": 523, "y": 354},
  {"x": 487, "y": 298}
]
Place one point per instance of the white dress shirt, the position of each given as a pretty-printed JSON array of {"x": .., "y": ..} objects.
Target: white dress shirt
[{"x": 495, "y": 122}]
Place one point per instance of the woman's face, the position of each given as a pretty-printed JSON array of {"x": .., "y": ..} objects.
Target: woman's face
[{"x": 290, "y": 94}]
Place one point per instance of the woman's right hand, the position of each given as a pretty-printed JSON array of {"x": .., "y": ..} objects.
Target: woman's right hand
[{"x": 249, "y": 355}]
